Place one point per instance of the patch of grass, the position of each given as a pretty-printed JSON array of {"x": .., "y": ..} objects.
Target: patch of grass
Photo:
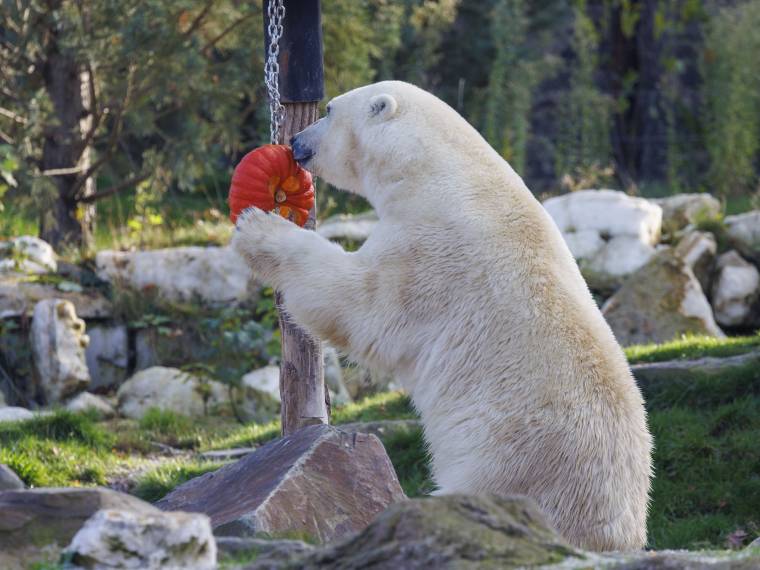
[
  {"x": 409, "y": 455},
  {"x": 691, "y": 347},
  {"x": 157, "y": 483},
  {"x": 383, "y": 406},
  {"x": 707, "y": 478},
  {"x": 60, "y": 426}
]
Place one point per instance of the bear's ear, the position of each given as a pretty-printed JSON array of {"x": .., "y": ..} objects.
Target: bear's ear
[{"x": 382, "y": 106}]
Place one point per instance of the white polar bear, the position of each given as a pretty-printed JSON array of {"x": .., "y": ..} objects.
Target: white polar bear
[{"x": 467, "y": 292}]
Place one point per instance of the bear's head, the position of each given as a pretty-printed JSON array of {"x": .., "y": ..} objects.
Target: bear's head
[{"x": 369, "y": 136}]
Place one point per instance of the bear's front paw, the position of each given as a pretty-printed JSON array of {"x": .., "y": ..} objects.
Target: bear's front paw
[{"x": 259, "y": 238}]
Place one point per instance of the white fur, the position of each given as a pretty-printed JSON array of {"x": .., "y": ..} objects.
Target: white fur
[{"x": 467, "y": 292}]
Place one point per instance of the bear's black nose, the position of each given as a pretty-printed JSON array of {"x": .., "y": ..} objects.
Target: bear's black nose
[{"x": 301, "y": 152}]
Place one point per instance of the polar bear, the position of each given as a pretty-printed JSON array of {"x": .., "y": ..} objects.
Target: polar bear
[{"x": 467, "y": 292}]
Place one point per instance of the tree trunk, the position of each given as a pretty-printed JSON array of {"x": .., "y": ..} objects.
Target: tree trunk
[
  {"x": 305, "y": 399},
  {"x": 67, "y": 222}
]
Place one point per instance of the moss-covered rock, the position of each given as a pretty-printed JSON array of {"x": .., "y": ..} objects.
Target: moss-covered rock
[{"x": 456, "y": 531}]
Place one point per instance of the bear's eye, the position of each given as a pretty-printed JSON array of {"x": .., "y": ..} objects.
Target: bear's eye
[{"x": 327, "y": 109}]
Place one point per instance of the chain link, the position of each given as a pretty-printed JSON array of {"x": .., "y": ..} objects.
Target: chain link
[{"x": 276, "y": 15}]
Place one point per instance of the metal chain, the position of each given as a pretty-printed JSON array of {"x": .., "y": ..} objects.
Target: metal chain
[{"x": 276, "y": 15}]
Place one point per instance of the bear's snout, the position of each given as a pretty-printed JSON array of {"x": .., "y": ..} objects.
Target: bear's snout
[{"x": 301, "y": 151}]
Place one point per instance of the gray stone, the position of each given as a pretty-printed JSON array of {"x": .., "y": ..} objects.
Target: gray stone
[
  {"x": 154, "y": 540},
  {"x": 87, "y": 401},
  {"x": 169, "y": 389},
  {"x": 18, "y": 297},
  {"x": 271, "y": 552},
  {"x": 9, "y": 481},
  {"x": 107, "y": 356},
  {"x": 744, "y": 234},
  {"x": 319, "y": 481},
  {"x": 661, "y": 301},
  {"x": 215, "y": 275},
  {"x": 15, "y": 414},
  {"x": 681, "y": 210},
  {"x": 27, "y": 254},
  {"x": 38, "y": 522},
  {"x": 698, "y": 250},
  {"x": 58, "y": 342},
  {"x": 736, "y": 291}
]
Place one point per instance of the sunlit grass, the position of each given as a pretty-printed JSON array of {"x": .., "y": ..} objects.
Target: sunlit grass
[{"x": 692, "y": 346}]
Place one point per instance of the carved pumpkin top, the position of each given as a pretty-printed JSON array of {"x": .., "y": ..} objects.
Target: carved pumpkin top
[{"x": 269, "y": 178}]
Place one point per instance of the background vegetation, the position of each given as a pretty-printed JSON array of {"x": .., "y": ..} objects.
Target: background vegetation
[{"x": 143, "y": 107}]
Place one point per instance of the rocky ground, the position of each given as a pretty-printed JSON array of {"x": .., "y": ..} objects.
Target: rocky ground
[{"x": 150, "y": 377}]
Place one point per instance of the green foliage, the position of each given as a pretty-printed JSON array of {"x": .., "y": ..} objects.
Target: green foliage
[
  {"x": 508, "y": 97},
  {"x": 585, "y": 113},
  {"x": 732, "y": 87},
  {"x": 411, "y": 460},
  {"x": 691, "y": 347},
  {"x": 59, "y": 426}
]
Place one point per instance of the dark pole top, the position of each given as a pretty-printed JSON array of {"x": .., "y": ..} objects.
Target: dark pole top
[{"x": 301, "y": 72}]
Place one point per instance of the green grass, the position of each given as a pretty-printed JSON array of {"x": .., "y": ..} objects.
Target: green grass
[
  {"x": 156, "y": 483},
  {"x": 692, "y": 346}
]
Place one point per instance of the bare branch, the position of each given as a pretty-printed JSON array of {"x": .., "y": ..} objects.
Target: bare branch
[
  {"x": 7, "y": 138},
  {"x": 62, "y": 171},
  {"x": 199, "y": 18},
  {"x": 225, "y": 32},
  {"x": 116, "y": 188},
  {"x": 13, "y": 116}
]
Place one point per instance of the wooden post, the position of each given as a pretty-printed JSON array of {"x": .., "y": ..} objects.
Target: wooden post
[{"x": 305, "y": 399}]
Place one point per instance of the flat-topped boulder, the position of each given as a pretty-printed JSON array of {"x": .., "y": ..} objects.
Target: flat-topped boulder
[
  {"x": 215, "y": 275},
  {"x": 319, "y": 481},
  {"x": 37, "y": 523}
]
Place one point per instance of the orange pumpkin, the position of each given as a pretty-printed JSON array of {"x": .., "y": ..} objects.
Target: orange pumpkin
[{"x": 269, "y": 178}]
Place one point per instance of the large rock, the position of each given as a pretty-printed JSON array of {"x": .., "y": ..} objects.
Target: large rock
[
  {"x": 736, "y": 291},
  {"x": 58, "y": 342},
  {"x": 146, "y": 540},
  {"x": 259, "y": 395},
  {"x": 9, "y": 481},
  {"x": 107, "y": 356},
  {"x": 661, "y": 301},
  {"x": 27, "y": 254},
  {"x": 354, "y": 228},
  {"x": 19, "y": 296},
  {"x": 455, "y": 531},
  {"x": 681, "y": 210},
  {"x": 320, "y": 481},
  {"x": 37, "y": 523},
  {"x": 169, "y": 389},
  {"x": 610, "y": 233},
  {"x": 272, "y": 553},
  {"x": 15, "y": 414},
  {"x": 744, "y": 233},
  {"x": 215, "y": 275},
  {"x": 698, "y": 250}
]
